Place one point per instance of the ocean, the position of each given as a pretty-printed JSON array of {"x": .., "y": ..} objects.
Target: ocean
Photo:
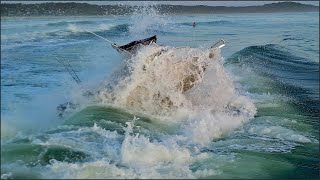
[{"x": 252, "y": 113}]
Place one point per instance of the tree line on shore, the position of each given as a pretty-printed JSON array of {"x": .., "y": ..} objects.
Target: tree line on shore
[{"x": 82, "y": 9}]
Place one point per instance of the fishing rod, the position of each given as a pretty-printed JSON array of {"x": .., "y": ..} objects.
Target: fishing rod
[
  {"x": 73, "y": 74},
  {"x": 112, "y": 43},
  {"x": 70, "y": 70}
]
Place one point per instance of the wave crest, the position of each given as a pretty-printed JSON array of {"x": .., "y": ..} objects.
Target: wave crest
[{"x": 164, "y": 81}]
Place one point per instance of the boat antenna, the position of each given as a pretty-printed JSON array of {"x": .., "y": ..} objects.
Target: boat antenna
[
  {"x": 113, "y": 44},
  {"x": 219, "y": 44},
  {"x": 70, "y": 70}
]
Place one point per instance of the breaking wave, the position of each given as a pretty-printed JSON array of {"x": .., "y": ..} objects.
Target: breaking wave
[{"x": 166, "y": 81}]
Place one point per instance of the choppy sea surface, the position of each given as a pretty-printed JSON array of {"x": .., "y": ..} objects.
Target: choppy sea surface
[{"x": 253, "y": 112}]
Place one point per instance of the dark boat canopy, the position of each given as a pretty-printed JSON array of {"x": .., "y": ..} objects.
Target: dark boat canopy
[{"x": 132, "y": 46}]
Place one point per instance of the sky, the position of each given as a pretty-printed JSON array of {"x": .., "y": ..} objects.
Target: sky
[{"x": 190, "y": 3}]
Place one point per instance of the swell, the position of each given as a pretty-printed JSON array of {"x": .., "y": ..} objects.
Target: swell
[
  {"x": 60, "y": 36},
  {"x": 291, "y": 75},
  {"x": 208, "y": 23},
  {"x": 64, "y": 23}
]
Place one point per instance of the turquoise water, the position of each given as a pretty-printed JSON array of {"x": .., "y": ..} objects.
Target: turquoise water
[{"x": 254, "y": 114}]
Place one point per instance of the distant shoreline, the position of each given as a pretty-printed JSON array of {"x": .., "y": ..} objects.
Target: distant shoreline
[{"x": 85, "y": 9}]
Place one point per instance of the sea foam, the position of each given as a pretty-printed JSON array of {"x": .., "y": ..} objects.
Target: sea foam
[{"x": 165, "y": 81}]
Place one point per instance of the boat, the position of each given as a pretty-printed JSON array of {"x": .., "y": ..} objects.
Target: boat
[
  {"x": 185, "y": 84},
  {"x": 134, "y": 45}
]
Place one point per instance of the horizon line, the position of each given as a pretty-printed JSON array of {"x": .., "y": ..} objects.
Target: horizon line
[{"x": 164, "y": 2}]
